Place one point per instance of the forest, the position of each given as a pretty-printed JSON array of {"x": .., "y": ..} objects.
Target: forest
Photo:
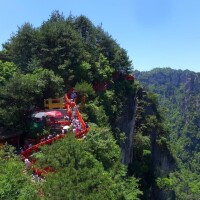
[
  {"x": 45, "y": 62},
  {"x": 130, "y": 151},
  {"x": 178, "y": 94}
]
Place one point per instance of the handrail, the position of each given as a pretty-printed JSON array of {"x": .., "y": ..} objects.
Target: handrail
[{"x": 69, "y": 105}]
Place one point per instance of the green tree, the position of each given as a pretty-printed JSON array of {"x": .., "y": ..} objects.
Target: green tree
[
  {"x": 102, "y": 144},
  {"x": 103, "y": 69},
  {"x": 18, "y": 95},
  {"x": 78, "y": 174},
  {"x": 23, "y": 91},
  {"x": 20, "y": 46},
  {"x": 96, "y": 113},
  {"x": 7, "y": 70},
  {"x": 178, "y": 95},
  {"x": 86, "y": 171},
  {"x": 84, "y": 88},
  {"x": 52, "y": 84},
  {"x": 15, "y": 183}
]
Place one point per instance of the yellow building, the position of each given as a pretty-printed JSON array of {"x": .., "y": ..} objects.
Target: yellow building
[{"x": 58, "y": 103}]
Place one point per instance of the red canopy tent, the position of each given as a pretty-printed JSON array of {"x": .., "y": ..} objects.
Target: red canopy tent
[{"x": 54, "y": 113}]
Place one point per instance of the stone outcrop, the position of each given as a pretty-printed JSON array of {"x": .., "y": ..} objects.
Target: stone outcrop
[
  {"x": 162, "y": 161},
  {"x": 127, "y": 125}
]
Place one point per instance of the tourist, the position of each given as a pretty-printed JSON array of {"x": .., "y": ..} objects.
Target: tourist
[
  {"x": 73, "y": 95},
  {"x": 27, "y": 163}
]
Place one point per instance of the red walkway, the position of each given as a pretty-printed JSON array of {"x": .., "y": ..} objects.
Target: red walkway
[{"x": 71, "y": 107}]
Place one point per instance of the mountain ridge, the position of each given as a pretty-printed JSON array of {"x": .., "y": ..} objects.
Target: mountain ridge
[{"x": 178, "y": 94}]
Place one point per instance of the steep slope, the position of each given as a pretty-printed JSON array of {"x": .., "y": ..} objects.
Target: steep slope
[
  {"x": 50, "y": 59},
  {"x": 146, "y": 150},
  {"x": 179, "y": 97},
  {"x": 72, "y": 52}
]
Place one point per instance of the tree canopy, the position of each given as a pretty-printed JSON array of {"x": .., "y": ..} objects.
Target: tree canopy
[{"x": 44, "y": 62}]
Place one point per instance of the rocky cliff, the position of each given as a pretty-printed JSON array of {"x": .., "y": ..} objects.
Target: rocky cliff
[
  {"x": 127, "y": 125},
  {"x": 179, "y": 92},
  {"x": 145, "y": 150},
  {"x": 179, "y": 98}
]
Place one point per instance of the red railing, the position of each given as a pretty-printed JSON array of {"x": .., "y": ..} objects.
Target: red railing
[{"x": 69, "y": 105}]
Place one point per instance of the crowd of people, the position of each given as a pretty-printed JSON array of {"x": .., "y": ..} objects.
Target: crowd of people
[{"x": 75, "y": 124}]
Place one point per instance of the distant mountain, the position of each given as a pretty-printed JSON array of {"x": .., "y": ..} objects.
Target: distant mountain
[{"x": 179, "y": 98}]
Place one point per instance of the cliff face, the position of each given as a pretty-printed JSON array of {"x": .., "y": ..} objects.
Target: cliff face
[
  {"x": 127, "y": 125},
  {"x": 163, "y": 76},
  {"x": 162, "y": 159},
  {"x": 147, "y": 156},
  {"x": 179, "y": 98},
  {"x": 189, "y": 80},
  {"x": 179, "y": 92}
]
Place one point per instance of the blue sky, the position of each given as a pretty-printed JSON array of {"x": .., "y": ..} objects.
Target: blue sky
[{"x": 155, "y": 33}]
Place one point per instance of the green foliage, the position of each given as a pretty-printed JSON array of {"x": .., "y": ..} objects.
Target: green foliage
[
  {"x": 186, "y": 184},
  {"x": 52, "y": 84},
  {"x": 85, "y": 71},
  {"x": 59, "y": 54},
  {"x": 24, "y": 91},
  {"x": 179, "y": 101},
  {"x": 73, "y": 48},
  {"x": 100, "y": 142},
  {"x": 150, "y": 144},
  {"x": 80, "y": 175},
  {"x": 141, "y": 145},
  {"x": 7, "y": 70},
  {"x": 164, "y": 183},
  {"x": 130, "y": 188},
  {"x": 14, "y": 184},
  {"x": 96, "y": 113},
  {"x": 76, "y": 51},
  {"x": 84, "y": 27},
  {"x": 103, "y": 69},
  {"x": 18, "y": 95},
  {"x": 84, "y": 88}
]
